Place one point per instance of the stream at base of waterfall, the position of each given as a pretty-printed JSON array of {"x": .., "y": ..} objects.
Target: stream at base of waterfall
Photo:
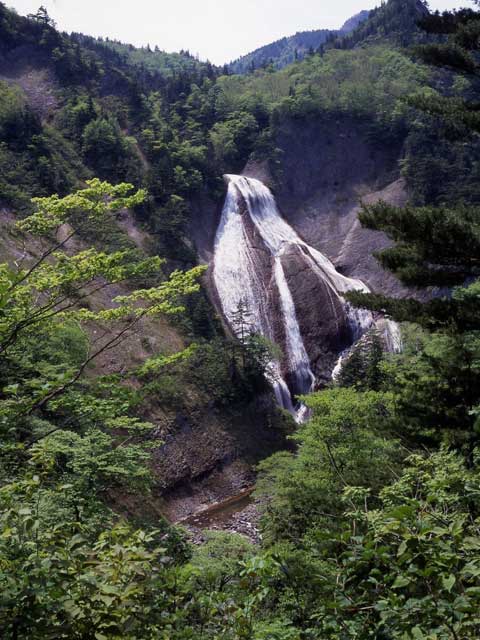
[{"x": 251, "y": 243}]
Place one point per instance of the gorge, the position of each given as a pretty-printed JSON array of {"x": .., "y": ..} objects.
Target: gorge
[{"x": 239, "y": 331}]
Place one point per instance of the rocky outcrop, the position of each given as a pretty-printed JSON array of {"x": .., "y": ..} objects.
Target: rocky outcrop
[
  {"x": 220, "y": 441},
  {"x": 330, "y": 166},
  {"x": 292, "y": 293},
  {"x": 321, "y": 316}
]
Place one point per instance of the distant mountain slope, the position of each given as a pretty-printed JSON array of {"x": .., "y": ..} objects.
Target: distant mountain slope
[
  {"x": 286, "y": 50},
  {"x": 394, "y": 21},
  {"x": 281, "y": 52},
  {"x": 353, "y": 22}
]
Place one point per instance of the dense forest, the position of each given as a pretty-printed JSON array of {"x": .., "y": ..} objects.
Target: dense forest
[{"x": 370, "y": 509}]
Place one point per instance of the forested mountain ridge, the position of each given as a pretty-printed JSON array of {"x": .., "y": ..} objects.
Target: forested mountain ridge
[
  {"x": 291, "y": 48},
  {"x": 395, "y": 21},
  {"x": 353, "y": 22},
  {"x": 282, "y": 52},
  {"x": 122, "y": 391},
  {"x": 150, "y": 59}
]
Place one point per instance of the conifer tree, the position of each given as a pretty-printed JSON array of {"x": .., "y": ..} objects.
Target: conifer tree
[
  {"x": 241, "y": 321},
  {"x": 42, "y": 17},
  {"x": 437, "y": 246}
]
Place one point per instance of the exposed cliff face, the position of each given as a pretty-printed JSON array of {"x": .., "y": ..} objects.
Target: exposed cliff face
[
  {"x": 202, "y": 440},
  {"x": 321, "y": 315},
  {"x": 328, "y": 168}
]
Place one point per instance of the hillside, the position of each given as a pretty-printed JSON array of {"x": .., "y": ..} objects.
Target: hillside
[
  {"x": 394, "y": 22},
  {"x": 353, "y": 22},
  {"x": 292, "y": 48},
  {"x": 152, "y": 60},
  {"x": 68, "y": 117},
  {"x": 88, "y": 110},
  {"x": 239, "y": 335}
]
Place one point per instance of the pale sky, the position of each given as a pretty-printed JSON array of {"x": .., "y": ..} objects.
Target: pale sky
[{"x": 218, "y": 30}]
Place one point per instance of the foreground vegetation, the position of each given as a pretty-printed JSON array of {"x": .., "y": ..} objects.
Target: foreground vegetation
[{"x": 371, "y": 523}]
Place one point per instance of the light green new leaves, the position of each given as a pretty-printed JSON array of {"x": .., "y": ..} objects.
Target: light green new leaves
[
  {"x": 98, "y": 200},
  {"x": 57, "y": 288},
  {"x": 155, "y": 364}
]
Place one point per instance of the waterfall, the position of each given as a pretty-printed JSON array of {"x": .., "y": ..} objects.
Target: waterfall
[
  {"x": 296, "y": 353},
  {"x": 250, "y": 246},
  {"x": 390, "y": 335}
]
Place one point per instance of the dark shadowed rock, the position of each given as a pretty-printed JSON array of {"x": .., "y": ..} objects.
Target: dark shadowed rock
[
  {"x": 329, "y": 167},
  {"x": 320, "y": 314}
]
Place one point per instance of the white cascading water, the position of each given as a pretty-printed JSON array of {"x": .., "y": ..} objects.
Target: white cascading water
[
  {"x": 391, "y": 337},
  {"x": 238, "y": 278}
]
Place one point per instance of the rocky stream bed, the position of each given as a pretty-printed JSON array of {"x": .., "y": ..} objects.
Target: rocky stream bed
[{"x": 236, "y": 514}]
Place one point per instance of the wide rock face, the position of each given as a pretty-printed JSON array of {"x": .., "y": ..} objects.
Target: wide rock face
[
  {"x": 321, "y": 315},
  {"x": 330, "y": 166}
]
